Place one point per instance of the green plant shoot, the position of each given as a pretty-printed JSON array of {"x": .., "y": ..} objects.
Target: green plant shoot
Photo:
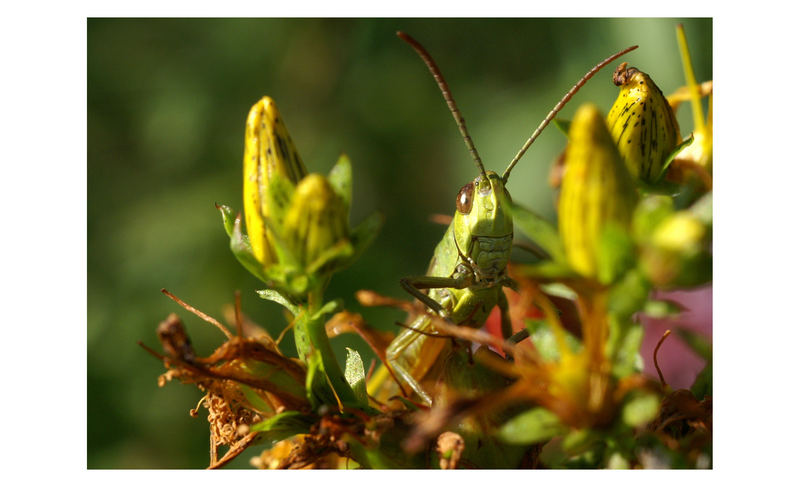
[{"x": 467, "y": 273}]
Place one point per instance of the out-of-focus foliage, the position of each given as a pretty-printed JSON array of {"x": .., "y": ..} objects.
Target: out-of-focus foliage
[{"x": 167, "y": 101}]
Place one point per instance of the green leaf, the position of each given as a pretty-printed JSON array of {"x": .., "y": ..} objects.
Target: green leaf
[
  {"x": 318, "y": 391},
  {"x": 640, "y": 409},
  {"x": 545, "y": 341},
  {"x": 532, "y": 426},
  {"x": 560, "y": 290},
  {"x": 697, "y": 342},
  {"x": 542, "y": 232},
  {"x": 282, "y": 426},
  {"x": 578, "y": 441},
  {"x": 328, "y": 308},
  {"x": 280, "y": 298},
  {"x": 662, "y": 308},
  {"x": 629, "y": 295},
  {"x": 702, "y": 209},
  {"x": 703, "y": 384},
  {"x": 623, "y": 346},
  {"x": 341, "y": 179},
  {"x": 314, "y": 328},
  {"x": 354, "y": 373}
]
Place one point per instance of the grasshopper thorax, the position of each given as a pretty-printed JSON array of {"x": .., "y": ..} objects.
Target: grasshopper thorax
[{"x": 483, "y": 227}]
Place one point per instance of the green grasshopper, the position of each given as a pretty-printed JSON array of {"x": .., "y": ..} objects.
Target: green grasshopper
[{"x": 467, "y": 273}]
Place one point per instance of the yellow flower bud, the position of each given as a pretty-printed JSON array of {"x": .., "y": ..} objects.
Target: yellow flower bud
[
  {"x": 268, "y": 153},
  {"x": 596, "y": 191},
  {"x": 316, "y": 221},
  {"x": 642, "y": 124},
  {"x": 682, "y": 232},
  {"x": 298, "y": 231},
  {"x": 677, "y": 253}
]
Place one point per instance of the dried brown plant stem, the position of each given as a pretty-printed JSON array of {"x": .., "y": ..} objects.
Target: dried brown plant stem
[
  {"x": 199, "y": 313},
  {"x": 655, "y": 358}
]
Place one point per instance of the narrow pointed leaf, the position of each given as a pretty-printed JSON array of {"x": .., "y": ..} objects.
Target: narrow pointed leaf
[
  {"x": 541, "y": 231},
  {"x": 354, "y": 373},
  {"x": 341, "y": 178},
  {"x": 280, "y": 298}
]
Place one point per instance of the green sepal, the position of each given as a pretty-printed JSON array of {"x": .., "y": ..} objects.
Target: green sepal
[
  {"x": 640, "y": 408},
  {"x": 543, "y": 233},
  {"x": 278, "y": 200},
  {"x": 282, "y": 426},
  {"x": 563, "y": 125},
  {"x": 533, "y": 426},
  {"x": 615, "y": 253},
  {"x": 662, "y": 187},
  {"x": 671, "y": 157},
  {"x": 364, "y": 234},
  {"x": 355, "y": 376},
  {"x": 341, "y": 179},
  {"x": 330, "y": 257},
  {"x": 240, "y": 246},
  {"x": 228, "y": 217}
]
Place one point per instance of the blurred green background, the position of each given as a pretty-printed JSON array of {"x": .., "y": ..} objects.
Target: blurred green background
[{"x": 167, "y": 100}]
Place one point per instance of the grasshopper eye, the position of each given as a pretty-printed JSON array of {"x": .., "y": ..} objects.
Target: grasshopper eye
[{"x": 464, "y": 199}]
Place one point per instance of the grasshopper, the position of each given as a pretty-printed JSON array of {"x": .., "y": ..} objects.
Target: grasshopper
[{"x": 467, "y": 273}]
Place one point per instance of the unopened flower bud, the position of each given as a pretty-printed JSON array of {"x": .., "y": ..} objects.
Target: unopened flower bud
[
  {"x": 677, "y": 253},
  {"x": 642, "y": 124},
  {"x": 316, "y": 220},
  {"x": 268, "y": 153},
  {"x": 596, "y": 192}
]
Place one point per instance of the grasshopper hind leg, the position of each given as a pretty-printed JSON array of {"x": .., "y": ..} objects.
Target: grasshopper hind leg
[
  {"x": 396, "y": 362},
  {"x": 412, "y": 354}
]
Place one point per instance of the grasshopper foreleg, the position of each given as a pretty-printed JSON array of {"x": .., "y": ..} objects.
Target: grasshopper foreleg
[{"x": 414, "y": 285}]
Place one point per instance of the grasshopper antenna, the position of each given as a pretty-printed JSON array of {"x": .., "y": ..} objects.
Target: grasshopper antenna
[
  {"x": 559, "y": 106},
  {"x": 448, "y": 97}
]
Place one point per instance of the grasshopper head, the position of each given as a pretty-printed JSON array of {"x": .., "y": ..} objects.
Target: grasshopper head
[{"x": 483, "y": 226}]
